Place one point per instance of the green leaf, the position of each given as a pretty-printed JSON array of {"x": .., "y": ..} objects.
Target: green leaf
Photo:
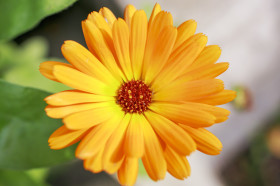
[
  {"x": 20, "y": 178},
  {"x": 19, "y": 16},
  {"x": 25, "y": 129},
  {"x": 21, "y": 64},
  {"x": 16, "y": 178}
]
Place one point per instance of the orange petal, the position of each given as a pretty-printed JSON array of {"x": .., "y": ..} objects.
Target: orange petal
[
  {"x": 153, "y": 159},
  {"x": 61, "y": 112},
  {"x": 128, "y": 172},
  {"x": 134, "y": 140},
  {"x": 108, "y": 15},
  {"x": 87, "y": 37},
  {"x": 112, "y": 167},
  {"x": 155, "y": 11},
  {"x": 94, "y": 163},
  {"x": 193, "y": 90},
  {"x": 180, "y": 59},
  {"x": 128, "y": 14},
  {"x": 71, "y": 97},
  {"x": 219, "y": 98},
  {"x": 220, "y": 114},
  {"x": 46, "y": 69},
  {"x": 138, "y": 36},
  {"x": 173, "y": 135},
  {"x": 161, "y": 20},
  {"x": 81, "y": 81},
  {"x": 84, "y": 61},
  {"x": 160, "y": 53},
  {"x": 121, "y": 43},
  {"x": 63, "y": 137},
  {"x": 100, "y": 22},
  {"x": 89, "y": 118},
  {"x": 177, "y": 165},
  {"x": 102, "y": 49},
  {"x": 114, "y": 146},
  {"x": 209, "y": 55},
  {"x": 183, "y": 113},
  {"x": 205, "y": 140},
  {"x": 205, "y": 72},
  {"x": 96, "y": 139},
  {"x": 185, "y": 31}
]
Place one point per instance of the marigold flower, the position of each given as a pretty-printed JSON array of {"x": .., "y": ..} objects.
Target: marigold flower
[{"x": 145, "y": 90}]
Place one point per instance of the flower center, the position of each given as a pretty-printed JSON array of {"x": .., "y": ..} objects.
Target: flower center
[{"x": 134, "y": 97}]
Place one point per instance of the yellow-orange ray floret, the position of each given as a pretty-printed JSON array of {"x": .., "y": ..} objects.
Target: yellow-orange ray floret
[{"x": 144, "y": 90}]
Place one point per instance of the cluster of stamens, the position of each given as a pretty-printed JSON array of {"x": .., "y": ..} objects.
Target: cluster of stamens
[{"x": 134, "y": 97}]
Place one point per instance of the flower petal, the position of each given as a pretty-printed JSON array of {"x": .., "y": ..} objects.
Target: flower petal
[
  {"x": 96, "y": 139},
  {"x": 177, "y": 165},
  {"x": 61, "y": 112},
  {"x": 173, "y": 135},
  {"x": 187, "y": 91},
  {"x": 108, "y": 15},
  {"x": 220, "y": 114},
  {"x": 160, "y": 53},
  {"x": 112, "y": 167},
  {"x": 81, "y": 81},
  {"x": 205, "y": 72},
  {"x": 155, "y": 11},
  {"x": 128, "y": 14},
  {"x": 205, "y": 140},
  {"x": 92, "y": 117},
  {"x": 121, "y": 43},
  {"x": 161, "y": 20},
  {"x": 182, "y": 113},
  {"x": 128, "y": 172},
  {"x": 209, "y": 55},
  {"x": 134, "y": 140},
  {"x": 101, "y": 48},
  {"x": 94, "y": 163},
  {"x": 153, "y": 159},
  {"x": 185, "y": 31},
  {"x": 100, "y": 22},
  {"x": 46, "y": 69},
  {"x": 63, "y": 137},
  {"x": 84, "y": 61},
  {"x": 219, "y": 98},
  {"x": 84, "y": 119},
  {"x": 87, "y": 37},
  {"x": 71, "y": 97},
  {"x": 138, "y": 36},
  {"x": 180, "y": 59},
  {"x": 114, "y": 146}
]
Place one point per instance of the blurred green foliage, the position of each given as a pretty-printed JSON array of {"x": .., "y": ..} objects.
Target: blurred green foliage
[
  {"x": 24, "y": 126},
  {"x": 18, "y": 16},
  {"x": 16, "y": 178},
  {"x": 243, "y": 100},
  {"x": 23, "y": 178},
  {"x": 257, "y": 165},
  {"x": 20, "y": 64},
  {"x": 25, "y": 129}
]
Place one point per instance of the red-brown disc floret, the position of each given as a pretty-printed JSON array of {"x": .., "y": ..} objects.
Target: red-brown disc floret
[{"x": 134, "y": 96}]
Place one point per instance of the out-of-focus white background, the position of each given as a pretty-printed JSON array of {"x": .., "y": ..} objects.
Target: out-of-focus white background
[{"x": 248, "y": 33}]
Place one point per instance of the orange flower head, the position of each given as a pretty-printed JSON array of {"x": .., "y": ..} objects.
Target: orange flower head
[{"x": 143, "y": 89}]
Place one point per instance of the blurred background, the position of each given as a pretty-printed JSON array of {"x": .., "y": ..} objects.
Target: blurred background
[{"x": 247, "y": 32}]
